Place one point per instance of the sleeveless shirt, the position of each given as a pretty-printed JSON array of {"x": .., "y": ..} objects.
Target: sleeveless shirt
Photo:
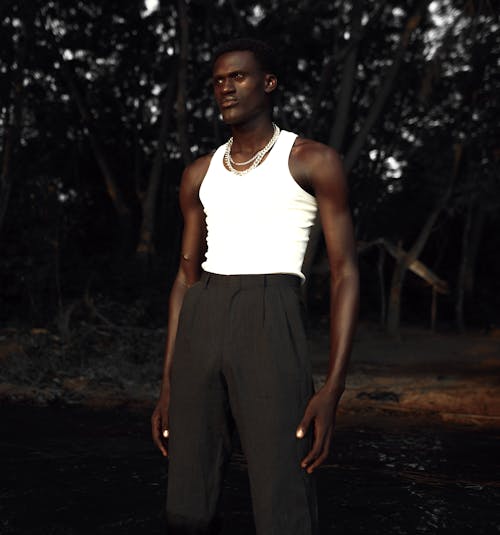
[{"x": 257, "y": 223}]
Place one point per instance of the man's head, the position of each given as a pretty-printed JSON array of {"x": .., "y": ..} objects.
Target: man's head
[
  {"x": 244, "y": 77},
  {"x": 262, "y": 52}
]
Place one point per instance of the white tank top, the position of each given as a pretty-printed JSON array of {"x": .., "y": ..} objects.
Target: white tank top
[{"x": 258, "y": 222}]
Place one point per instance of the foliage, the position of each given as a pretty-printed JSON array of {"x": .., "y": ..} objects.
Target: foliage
[{"x": 62, "y": 223}]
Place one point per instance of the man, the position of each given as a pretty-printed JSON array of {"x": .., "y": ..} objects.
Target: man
[{"x": 236, "y": 350}]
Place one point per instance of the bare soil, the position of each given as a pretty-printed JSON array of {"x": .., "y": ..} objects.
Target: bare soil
[{"x": 435, "y": 375}]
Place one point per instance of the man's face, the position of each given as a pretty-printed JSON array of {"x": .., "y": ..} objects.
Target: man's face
[{"x": 241, "y": 88}]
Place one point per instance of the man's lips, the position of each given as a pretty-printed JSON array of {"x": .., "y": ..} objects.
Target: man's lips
[{"x": 228, "y": 102}]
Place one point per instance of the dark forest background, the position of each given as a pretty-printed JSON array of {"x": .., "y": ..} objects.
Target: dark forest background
[{"x": 102, "y": 104}]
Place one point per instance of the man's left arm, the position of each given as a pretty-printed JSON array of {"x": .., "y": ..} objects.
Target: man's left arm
[{"x": 327, "y": 178}]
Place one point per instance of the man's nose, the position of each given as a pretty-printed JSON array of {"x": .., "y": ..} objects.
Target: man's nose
[{"x": 227, "y": 86}]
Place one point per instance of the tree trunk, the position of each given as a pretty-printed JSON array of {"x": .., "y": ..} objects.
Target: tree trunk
[
  {"x": 12, "y": 122},
  {"x": 471, "y": 238},
  {"x": 415, "y": 266},
  {"x": 358, "y": 33},
  {"x": 381, "y": 280},
  {"x": 282, "y": 118},
  {"x": 343, "y": 107},
  {"x": 138, "y": 155},
  {"x": 145, "y": 247},
  {"x": 121, "y": 208},
  {"x": 325, "y": 78},
  {"x": 386, "y": 89},
  {"x": 464, "y": 260},
  {"x": 357, "y": 145},
  {"x": 434, "y": 309},
  {"x": 394, "y": 311},
  {"x": 11, "y": 135},
  {"x": 476, "y": 234},
  {"x": 340, "y": 122},
  {"x": 182, "y": 122}
]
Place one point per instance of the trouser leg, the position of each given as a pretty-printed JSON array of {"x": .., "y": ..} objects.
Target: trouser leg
[
  {"x": 248, "y": 344},
  {"x": 269, "y": 381},
  {"x": 199, "y": 420}
]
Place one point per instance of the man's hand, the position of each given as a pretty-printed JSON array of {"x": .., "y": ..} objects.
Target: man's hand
[
  {"x": 159, "y": 422},
  {"x": 320, "y": 411}
]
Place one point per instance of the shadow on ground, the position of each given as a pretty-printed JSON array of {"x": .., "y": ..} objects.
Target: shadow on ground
[{"x": 77, "y": 471}]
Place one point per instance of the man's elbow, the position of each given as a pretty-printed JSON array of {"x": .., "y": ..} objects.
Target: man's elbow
[{"x": 345, "y": 275}]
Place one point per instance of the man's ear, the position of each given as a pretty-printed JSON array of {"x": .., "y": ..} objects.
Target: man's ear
[{"x": 270, "y": 83}]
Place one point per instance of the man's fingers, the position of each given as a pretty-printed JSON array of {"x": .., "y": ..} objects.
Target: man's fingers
[
  {"x": 159, "y": 433},
  {"x": 160, "y": 446},
  {"x": 319, "y": 456},
  {"x": 320, "y": 460},
  {"x": 155, "y": 432},
  {"x": 311, "y": 456},
  {"x": 315, "y": 450},
  {"x": 165, "y": 431},
  {"x": 303, "y": 426}
]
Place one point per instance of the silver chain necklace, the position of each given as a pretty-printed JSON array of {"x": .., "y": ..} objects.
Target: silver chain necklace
[
  {"x": 244, "y": 163},
  {"x": 257, "y": 158}
]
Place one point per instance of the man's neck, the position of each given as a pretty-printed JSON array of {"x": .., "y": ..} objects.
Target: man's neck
[{"x": 250, "y": 137}]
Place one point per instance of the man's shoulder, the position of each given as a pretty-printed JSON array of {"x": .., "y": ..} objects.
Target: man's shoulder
[
  {"x": 201, "y": 164},
  {"x": 195, "y": 172},
  {"x": 310, "y": 150},
  {"x": 309, "y": 155}
]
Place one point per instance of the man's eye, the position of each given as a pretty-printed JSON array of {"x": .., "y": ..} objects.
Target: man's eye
[{"x": 238, "y": 76}]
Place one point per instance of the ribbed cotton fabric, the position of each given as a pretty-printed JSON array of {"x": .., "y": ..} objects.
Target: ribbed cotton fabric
[{"x": 259, "y": 222}]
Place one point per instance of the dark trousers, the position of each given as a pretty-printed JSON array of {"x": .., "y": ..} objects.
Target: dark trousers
[{"x": 240, "y": 356}]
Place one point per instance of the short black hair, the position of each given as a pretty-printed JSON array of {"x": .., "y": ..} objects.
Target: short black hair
[{"x": 262, "y": 51}]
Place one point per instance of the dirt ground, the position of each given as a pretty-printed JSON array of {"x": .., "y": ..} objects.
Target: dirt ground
[
  {"x": 436, "y": 375},
  {"x": 454, "y": 376},
  {"x": 82, "y": 471},
  {"x": 414, "y": 448}
]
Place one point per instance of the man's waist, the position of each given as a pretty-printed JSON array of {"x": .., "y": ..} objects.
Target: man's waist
[{"x": 250, "y": 280}]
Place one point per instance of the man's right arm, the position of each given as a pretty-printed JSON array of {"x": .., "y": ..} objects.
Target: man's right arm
[{"x": 192, "y": 251}]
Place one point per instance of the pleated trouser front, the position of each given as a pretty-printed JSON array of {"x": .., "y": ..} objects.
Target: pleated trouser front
[{"x": 240, "y": 358}]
